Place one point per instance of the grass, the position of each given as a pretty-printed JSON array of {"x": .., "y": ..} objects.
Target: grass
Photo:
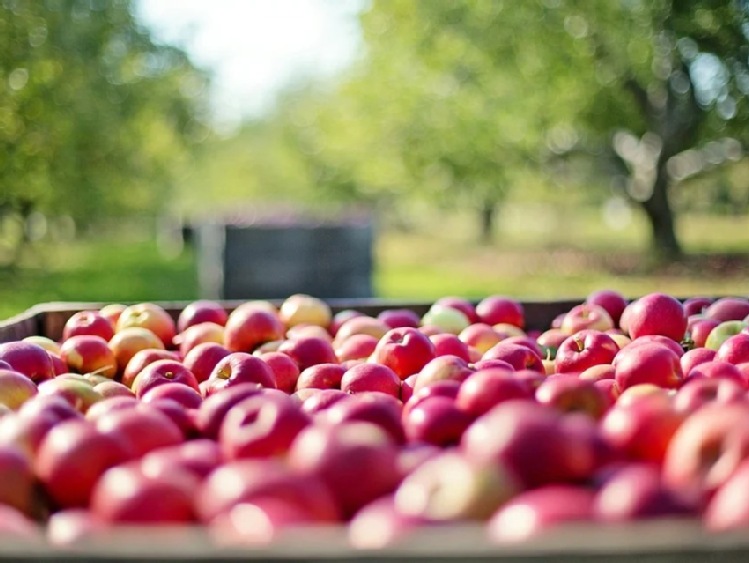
[{"x": 537, "y": 255}]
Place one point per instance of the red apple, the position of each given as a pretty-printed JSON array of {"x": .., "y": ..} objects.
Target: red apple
[
  {"x": 436, "y": 420},
  {"x": 355, "y": 347},
  {"x": 112, "y": 389},
  {"x": 484, "y": 389},
  {"x": 696, "y": 393},
  {"x": 202, "y": 359},
  {"x": 126, "y": 343},
  {"x": 250, "y": 326},
  {"x": 15, "y": 388},
  {"x": 700, "y": 330},
  {"x": 86, "y": 353},
  {"x": 442, "y": 368},
  {"x": 728, "y": 309},
  {"x": 373, "y": 407},
  {"x": 371, "y": 377},
  {"x": 322, "y": 399},
  {"x": 112, "y": 312},
  {"x": 404, "y": 350},
  {"x": 660, "y": 340},
  {"x": 110, "y": 404},
  {"x": 598, "y": 372},
  {"x": 285, "y": 369},
  {"x": 613, "y": 301},
  {"x": 497, "y": 309},
  {"x": 29, "y": 359},
  {"x": 449, "y": 345},
  {"x": 212, "y": 411},
  {"x": 550, "y": 341},
  {"x": 88, "y": 322},
  {"x": 161, "y": 372},
  {"x": 304, "y": 309},
  {"x": 143, "y": 358},
  {"x": 728, "y": 509},
  {"x": 240, "y": 367},
  {"x": 261, "y": 426},
  {"x": 647, "y": 363},
  {"x": 150, "y": 316},
  {"x": 518, "y": 356},
  {"x": 586, "y": 317},
  {"x": 396, "y": 318},
  {"x": 308, "y": 351},
  {"x": 72, "y": 457},
  {"x": 341, "y": 317},
  {"x": 695, "y": 357},
  {"x": 657, "y": 313},
  {"x": 187, "y": 396},
  {"x": 78, "y": 392},
  {"x": 321, "y": 376},
  {"x": 716, "y": 370},
  {"x": 197, "y": 457},
  {"x": 696, "y": 305},
  {"x": 734, "y": 350},
  {"x": 569, "y": 393},
  {"x": 201, "y": 311},
  {"x": 198, "y": 334},
  {"x": 17, "y": 480},
  {"x": 58, "y": 366},
  {"x": 143, "y": 428},
  {"x": 585, "y": 349}
]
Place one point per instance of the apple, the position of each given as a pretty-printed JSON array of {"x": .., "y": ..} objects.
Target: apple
[
  {"x": 518, "y": 356},
  {"x": 643, "y": 429},
  {"x": 585, "y": 349},
  {"x": 449, "y": 487},
  {"x": 321, "y": 376},
  {"x": 531, "y": 513},
  {"x": 198, "y": 457},
  {"x": 250, "y": 326},
  {"x": 445, "y": 388},
  {"x": 641, "y": 391},
  {"x": 261, "y": 426},
  {"x": 187, "y": 396},
  {"x": 149, "y": 316},
  {"x": 696, "y": 393},
  {"x": 716, "y": 370},
  {"x": 197, "y": 334},
  {"x": 660, "y": 340},
  {"x": 532, "y": 442},
  {"x": 262, "y": 522},
  {"x": 29, "y": 359},
  {"x": 586, "y": 316},
  {"x": 126, "y": 343},
  {"x": 405, "y": 350},
  {"x": 201, "y": 311},
  {"x": 240, "y": 367},
  {"x": 321, "y": 400},
  {"x": 635, "y": 492},
  {"x": 707, "y": 449},
  {"x": 442, "y": 368},
  {"x": 141, "y": 359},
  {"x": 728, "y": 309},
  {"x": 202, "y": 359},
  {"x": 480, "y": 336},
  {"x": 446, "y": 344},
  {"x": 461, "y": 304},
  {"x": 486, "y": 388},
  {"x": 361, "y": 324},
  {"x": 696, "y": 305},
  {"x": 696, "y": 357},
  {"x": 436, "y": 420},
  {"x": 73, "y": 528},
  {"x": 110, "y": 404},
  {"x": 647, "y": 363},
  {"x": 161, "y": 372},
  {"x": 355, "y": 347},
  {"x": 250, "y": 480},
  {"x": 124, "y": 495},
  {"x": 384, "y": 411},
  {"x": 17, "y": 480},
  {"x": 341, "y": 317},
  {"x": 725, "y": 330},
  {"x": 112, "y": 388},
  {"x": 285, "y": 370},
  {"x": 213, "y": 409},
  {"x": 47, "y": 343},
  {"x": 728, "y": 508},
  {"x": 89, "y": 323},
  {"x": 142, "y": 428},
  {"x": 598, "y": 372},
  {"x": 357, "y": 460},
  {"x": 613, "y": 301},
  {"x": 15, "y": 388},
  {"x": 304, "y": 309},
  {"x": 497, "y": 309},
  {"x": 79, "y": 393},
  {"x": 657, "y": 313},
  {"x": 699, "y": 330},
  {"x": 396, "y": 318},
  {"x": 72, "y": 457},
  {"x": 445, "y": 318},
  {"x": 550, "y": 341},
  {"x": 569, "y": 393},
  {"x": 87, "y": 353},
  {"x": 371, "y": 377},
  {"x": 112, "y": 312},
  {"x": 734, "y": 349},
  {"x": 308, "y": 351}
]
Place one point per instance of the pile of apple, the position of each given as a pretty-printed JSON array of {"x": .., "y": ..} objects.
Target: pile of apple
[{"x": 270, "y": 418}]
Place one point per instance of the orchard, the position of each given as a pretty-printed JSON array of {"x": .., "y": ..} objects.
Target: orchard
[{"x": 270, "y": 417}]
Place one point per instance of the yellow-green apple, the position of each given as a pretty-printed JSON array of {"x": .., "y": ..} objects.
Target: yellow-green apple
[
  {"x": 621, "y": 340},
  {"x": 525, "y": 340},
  {"x": 657, "y": 313},
  {"x": 149, "y": 316},
  {"x": 248, "y": 480},
  {"x": 29, "y": 359},
  {"x": 532, "y": 513},
  {"x": 585, "y": 349},
  {"x": 728, "y": 509},
  {"x": 449, "y": 487},
  {"x": 308, "y": 351},
  {"x": 321, "y": 376},
  {"x": 373, "y": 407},
  {"x": 142, "y": 428},
  {"x": 355, "y": 347},
  {"x": 124, "y": 495},
  {"x": 250, "y": 326},
  {"x": 696, "y": 305},
  {"x": 499, "y": 309},
  {"x": 647, "y": 363},
  {"x": 79, "y": 393},
  {"x": 728, "y": 309},
  {"x": 73, "y": 456},
  {"x": 518, "y": 356},
  {"x": 643, "y": 429},
  {"x": 129, "y": 341},
  {"x": 480, "y": 336},
  {"x": 357, "y": 460},
  {"x": 371, "y": 377},
  {"x": 394, "y": 318},
  {"x": 261, "y": 426},
  {"x": 202, "y": 359},
  {"x": 17, "y": 480},
  {"x": 725, "y": 330},
  {"x": 483, "y": 390},
  {"x": 285, "y": 370},
  {"x": 213, "y": 409},
  {"x": 112, "y": 312},
  {"x": 88, "y": 353},
  {"x": 533, "y": 443},
  {"x": 47, "y": 343},
  {"x": 197, "y": 334},
  {"x": 161, "y": 372},
  {"x": 405, "y": 350},
  {"x": 304, "y": 309},
  {"x": 88, "y": 322},
  {"x": 240, "y": 367},
  {"x": 446, "y": 319},
  {"x": 15, "y": 388},
  {"x": 696, "y": 393},
  {"x": 462, "y": 305},
  {"x": 568, "y": 393},
  {"x": 707, "y": 449},
  {"x": 611, "y": 300},
  {"x": 187, "y": 396},
  {"x": 201, "y": 311},
  {"x": 586, "y": 316}
]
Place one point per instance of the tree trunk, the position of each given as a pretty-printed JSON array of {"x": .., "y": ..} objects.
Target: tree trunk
[
  {"x": 488, "y": 216},
  {"x": 663, "y": 244}
]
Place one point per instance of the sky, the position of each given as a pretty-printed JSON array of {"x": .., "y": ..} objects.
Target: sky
[{"x": 255, "y": 47}]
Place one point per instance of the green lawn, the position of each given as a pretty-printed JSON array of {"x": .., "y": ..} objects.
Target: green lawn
[{"x": 535, "y": 256}]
